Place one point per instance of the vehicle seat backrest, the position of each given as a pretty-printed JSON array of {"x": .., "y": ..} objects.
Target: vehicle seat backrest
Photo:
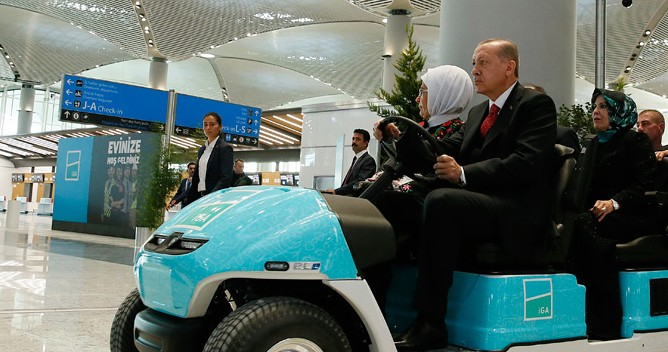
[
  {"x": 563, "y": 177},
  {"x": 562, "y": 214},
  {"x": 490, "y": 257},
  {"x": 650, "y": 251},
  {"x": 573, "y": 198},
  {"x": 662, "y": 171},
  {"x": 578, "y": 188}
]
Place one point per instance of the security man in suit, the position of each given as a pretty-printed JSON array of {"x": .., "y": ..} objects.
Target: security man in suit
[
  {"x": 363, "y": 165},
  {"x": 184, "y": 187},
  {"x": 497, "y": 189}
]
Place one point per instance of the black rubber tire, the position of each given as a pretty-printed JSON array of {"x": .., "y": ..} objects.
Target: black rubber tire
[
  {"x": 122, "y": 328},
  {"x": 260, "y": 324}
]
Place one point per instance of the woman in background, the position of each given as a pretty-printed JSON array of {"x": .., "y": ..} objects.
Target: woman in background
[
  {"x": 214, "y": 162},
  {"x": 624, "y": 168}
]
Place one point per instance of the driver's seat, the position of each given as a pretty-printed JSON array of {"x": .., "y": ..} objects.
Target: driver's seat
[{"x": 570, "y": 181}]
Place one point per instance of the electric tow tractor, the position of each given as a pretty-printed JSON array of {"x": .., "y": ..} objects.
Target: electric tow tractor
[{"x": 278, "y": 269}]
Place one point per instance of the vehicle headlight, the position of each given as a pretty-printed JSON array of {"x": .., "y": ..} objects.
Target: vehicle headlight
[{"x": 174, "y": 244}]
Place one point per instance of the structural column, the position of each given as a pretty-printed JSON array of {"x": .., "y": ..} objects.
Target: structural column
[
  {"x": 544, "y": 30},
  {"x": 396, "y": 40},
  {"x": 157, "y": 73},
  {"x": 26, "y": 108}
]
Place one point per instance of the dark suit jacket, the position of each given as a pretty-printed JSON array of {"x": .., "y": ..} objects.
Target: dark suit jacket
[
  {"x": 241, "y": 180},
  {"x": 566, "y": 136},
  {"x": 512, "y": 164},
  {"x": 218, "y": 169},
  {"x": 364, "y": 168},
  {"x": 182, "y": 190},
  {"x": 624, "y": 168}
]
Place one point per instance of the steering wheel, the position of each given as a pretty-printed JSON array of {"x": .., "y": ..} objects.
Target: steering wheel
[{"x": 414, "y": 152}]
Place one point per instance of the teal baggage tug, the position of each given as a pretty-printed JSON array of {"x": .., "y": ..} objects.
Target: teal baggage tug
[{"x": 281, "y": 269}]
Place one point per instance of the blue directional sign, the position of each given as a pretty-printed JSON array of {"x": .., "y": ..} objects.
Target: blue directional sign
[
  {"x": 94, "y": 101},
  {"x": 241, "y": 124}
]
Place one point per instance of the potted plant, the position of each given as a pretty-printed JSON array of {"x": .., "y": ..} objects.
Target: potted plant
[
  {"x": 155, "y": 182},
  {"x": 406, "y": 85}
]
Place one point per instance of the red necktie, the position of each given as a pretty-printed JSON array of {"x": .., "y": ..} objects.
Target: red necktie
[
  {"x": 489, "y": 120},
  {"x": 350, "y": 171}
]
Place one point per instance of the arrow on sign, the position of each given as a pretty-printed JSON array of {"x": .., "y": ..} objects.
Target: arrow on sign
[
  {"x": 69, "y": 81},
  {"x": 67, "y": 102},
  {"x": 68, "y": 92}
]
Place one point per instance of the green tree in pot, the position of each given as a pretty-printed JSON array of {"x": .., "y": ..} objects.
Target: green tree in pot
[
  {"x": 406, "y": 85},
  {"x": 155, "y": 182}
]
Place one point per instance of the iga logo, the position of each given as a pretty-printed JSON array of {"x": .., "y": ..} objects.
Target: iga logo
[{"x": 538, "y": 300}]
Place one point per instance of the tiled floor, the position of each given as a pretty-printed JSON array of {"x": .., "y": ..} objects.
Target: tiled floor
[{"x": 59, "y": 291}]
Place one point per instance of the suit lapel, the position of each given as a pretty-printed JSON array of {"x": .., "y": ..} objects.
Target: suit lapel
[
  {"x": 472, "y": 126},
  {"x": 356, "y": 167},
  {"x": 505, "y": 115}
]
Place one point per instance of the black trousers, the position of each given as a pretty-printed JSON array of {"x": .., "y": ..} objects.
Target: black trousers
[
  {"x": 595, "y": 266},
  {"x": 433, "y": 231},
  {"x": 451, "y": 218}
]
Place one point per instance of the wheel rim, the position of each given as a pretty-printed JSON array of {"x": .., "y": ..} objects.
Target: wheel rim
[{"x": 295, "y": 345}]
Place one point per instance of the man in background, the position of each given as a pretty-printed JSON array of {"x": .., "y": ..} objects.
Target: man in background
[
  {"x": 363, "y": 165},
  {"x": 183, "y": 188},
  {"x": 652, "y": 123},
  {"x": 239, "y": 177}
]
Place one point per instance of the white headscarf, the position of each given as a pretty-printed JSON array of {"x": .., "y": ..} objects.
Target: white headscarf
[{"x": 449, "y": 92}]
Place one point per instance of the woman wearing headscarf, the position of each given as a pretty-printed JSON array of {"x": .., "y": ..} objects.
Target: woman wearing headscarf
[
  {"x": 623, "y": 169},
  {"x": 444, "y": 94}
]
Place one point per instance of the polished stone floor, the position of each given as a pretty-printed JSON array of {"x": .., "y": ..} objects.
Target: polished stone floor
[{"x": 59, "y": 290}]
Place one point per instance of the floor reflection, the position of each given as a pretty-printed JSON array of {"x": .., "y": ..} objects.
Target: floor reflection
[{"x": 59, "y": 290}]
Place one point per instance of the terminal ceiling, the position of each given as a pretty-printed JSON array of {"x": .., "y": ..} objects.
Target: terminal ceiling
[{"x": 274, "y": 54}]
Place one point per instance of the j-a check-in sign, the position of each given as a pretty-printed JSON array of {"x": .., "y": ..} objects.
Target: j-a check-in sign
[
  {"x": 94, "y": 101},
  {"x": 241, "y": 124}
]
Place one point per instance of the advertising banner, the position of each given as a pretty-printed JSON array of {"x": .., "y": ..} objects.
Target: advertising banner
[{"x": 113, "y": 190}]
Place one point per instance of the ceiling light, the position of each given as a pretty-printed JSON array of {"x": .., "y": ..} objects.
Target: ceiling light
[
  {"x": 286, "y": 121},
  {"x": 207, "y": 55}
]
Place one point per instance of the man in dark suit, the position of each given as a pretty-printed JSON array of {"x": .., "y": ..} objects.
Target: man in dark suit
[
  {"x": 568, "y": 137},
  {"x": 363, "y": 166},
  {"x": 239, "y": 177},
  {"x": 184, "y": 187},
  {"x": 497, "y": 171},
  {"x": 565, "y": 135}
]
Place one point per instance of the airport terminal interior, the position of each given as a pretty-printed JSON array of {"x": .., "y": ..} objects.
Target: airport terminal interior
[{"x": 293, "y": 59}]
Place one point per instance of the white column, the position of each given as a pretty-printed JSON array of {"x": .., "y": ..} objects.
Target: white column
[
  {"x": 157, "y": 73},
  {"x": 26, "y": 108},
  {"x": 544, "y": 30},
  {"x": 396, "y": 40}
]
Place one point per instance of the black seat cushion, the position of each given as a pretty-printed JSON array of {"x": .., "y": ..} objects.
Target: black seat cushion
[{"x": 647, "y": 252}]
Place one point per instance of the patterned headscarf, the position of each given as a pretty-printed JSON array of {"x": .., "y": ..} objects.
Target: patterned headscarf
[
  {"x": 622, "y": 112},
  {"x": 450, "y": 91}
]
